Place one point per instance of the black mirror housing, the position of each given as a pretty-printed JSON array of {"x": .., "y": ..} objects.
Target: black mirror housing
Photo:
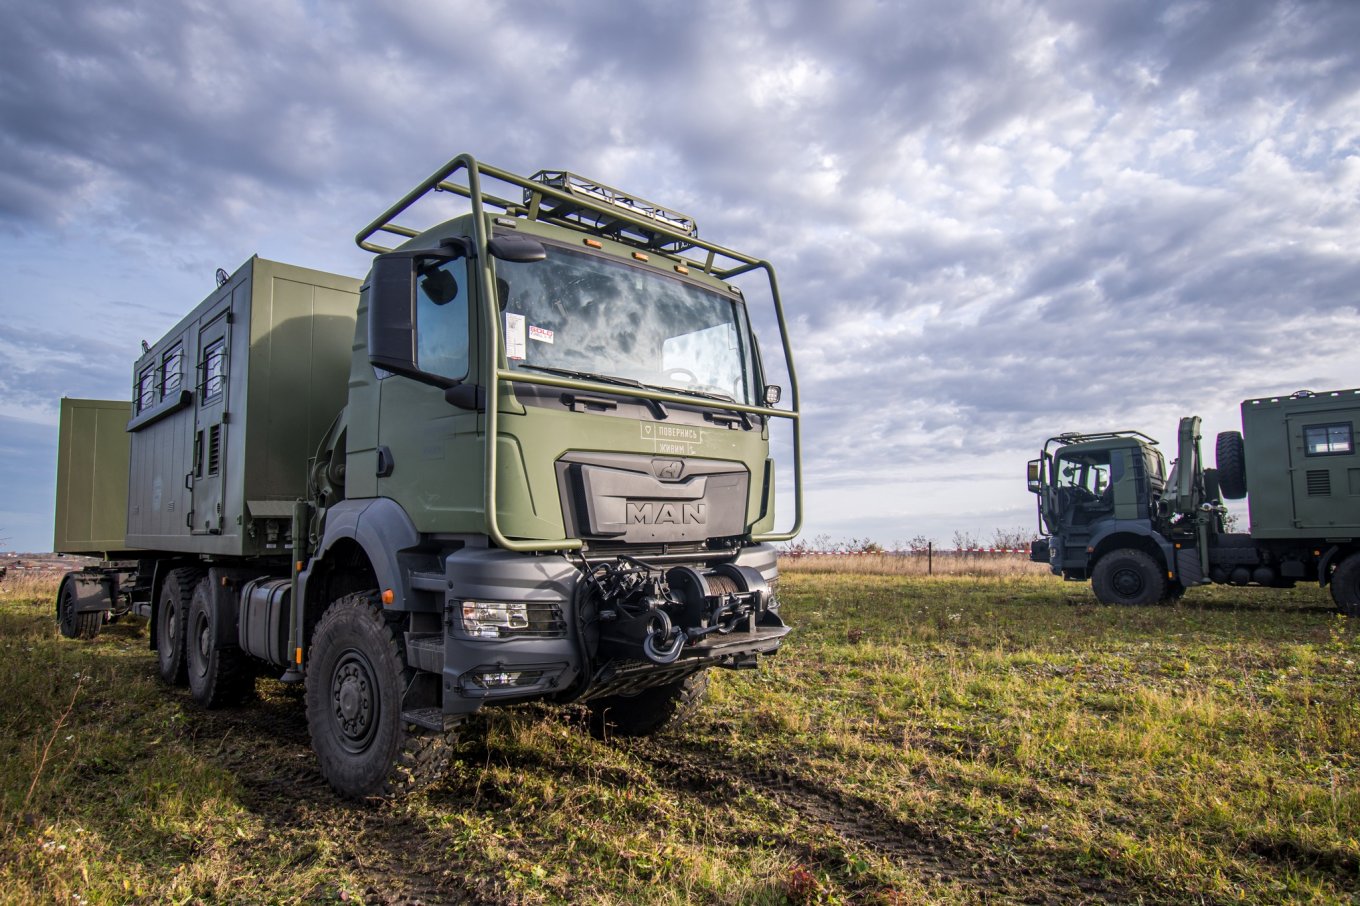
[{"x": 392, "y": 310}]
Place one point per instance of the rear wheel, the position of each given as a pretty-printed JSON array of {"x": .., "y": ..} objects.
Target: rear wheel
[
  {"x": 650, "y": 711},
  {"x": 73, "y": 624},
  {"x": 172, "y": 615},
  {"x": 217, "y": 670},
  {"x": 356, "y": 676},
  {"x": 1128, "y": 576},
  {"x": 1345, "y": 586}
]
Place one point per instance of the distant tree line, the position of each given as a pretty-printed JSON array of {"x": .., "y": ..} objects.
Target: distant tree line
[{"x": 1001, "y": 539}]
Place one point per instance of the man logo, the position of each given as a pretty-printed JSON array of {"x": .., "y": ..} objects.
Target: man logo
[
  {"x": 649, "y": 513},
  {"x": 667, "y": 469}
]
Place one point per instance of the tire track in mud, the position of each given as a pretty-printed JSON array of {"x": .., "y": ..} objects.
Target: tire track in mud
[
  {"x": 265, "y": 745},
  {"x": 715, "y": 774}
]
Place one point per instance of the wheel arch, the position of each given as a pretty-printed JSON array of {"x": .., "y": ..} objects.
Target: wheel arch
[
  {"x": 1333, "y": 558},
  {"x": 1151, "y": 543},
  {"x": 358, "y": 551}
]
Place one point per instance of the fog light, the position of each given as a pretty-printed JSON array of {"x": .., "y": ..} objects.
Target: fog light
[{"x": 501, "y": 679}]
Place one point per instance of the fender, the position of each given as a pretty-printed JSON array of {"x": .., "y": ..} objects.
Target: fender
[
  {"x": 1324, "y": 568},
  {"x": 1142, "y": 529},
  {"x": 94, "y": 591},
  {"x": 381, "y": 528}
]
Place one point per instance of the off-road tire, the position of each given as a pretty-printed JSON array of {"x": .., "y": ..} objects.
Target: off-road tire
[
  {"x": 218, "y": 676},
  {"x": 75, "y": 625},
  {"x": 1128, "y": 576},
  {"x": 650, "y": 711},
  {"x": 172, "y": 616},
  {"x": 356, "y": 675},
  {"x": 1230, "y": 454},
  {"x": 1345, "y": 586}
]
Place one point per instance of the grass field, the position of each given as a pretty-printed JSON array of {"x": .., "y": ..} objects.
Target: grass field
[{"x": 948, "y": 739}]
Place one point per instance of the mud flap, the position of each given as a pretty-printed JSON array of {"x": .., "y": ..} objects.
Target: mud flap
[{"x": 1188, "y": 567}]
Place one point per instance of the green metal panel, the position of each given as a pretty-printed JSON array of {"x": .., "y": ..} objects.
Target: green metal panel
[
  {"x": 92, "y": 477},
  {"x": 301, "y": 333},
  {"x": 1293, "y": 492}
]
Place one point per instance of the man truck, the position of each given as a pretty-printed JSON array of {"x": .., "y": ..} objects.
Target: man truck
[
  {"x": 1110, "y": 512},
  {"x": 528, "y": 458}
]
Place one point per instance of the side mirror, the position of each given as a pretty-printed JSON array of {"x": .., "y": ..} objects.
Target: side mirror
[
  {"x": 1036, "y": 476},
  {"x": 516, "y": 248},
  {"x": 392, "y": 309}
]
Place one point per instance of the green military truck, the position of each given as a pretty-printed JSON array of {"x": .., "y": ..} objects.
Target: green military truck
[
  {"x": 1110, "y": 512},
  {"x": 528, "y": 458}
]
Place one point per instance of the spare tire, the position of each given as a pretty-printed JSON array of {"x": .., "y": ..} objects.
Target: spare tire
[{"x": 1231, "y": 456}]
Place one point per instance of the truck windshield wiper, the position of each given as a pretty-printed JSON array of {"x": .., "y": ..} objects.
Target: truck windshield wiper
[
  {"x": 706, "y": 394},
  {"x": 657, "y": 409},
  {"x": 586, "y": 376}
]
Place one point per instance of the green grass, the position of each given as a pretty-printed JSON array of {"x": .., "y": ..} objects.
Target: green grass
[{"x": 919, "y": 739}]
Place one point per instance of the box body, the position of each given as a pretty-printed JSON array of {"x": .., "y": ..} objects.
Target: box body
[
  {"x": 1303, "y": 465},
  {"x": 229, "y": 407},
  {"x": 92, "y": 477}
]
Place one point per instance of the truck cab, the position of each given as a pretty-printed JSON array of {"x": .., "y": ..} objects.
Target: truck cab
[{"x": 1097, "y": 493}]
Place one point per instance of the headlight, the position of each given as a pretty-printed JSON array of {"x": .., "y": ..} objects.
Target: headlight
[{"x": 513, "y": 619}]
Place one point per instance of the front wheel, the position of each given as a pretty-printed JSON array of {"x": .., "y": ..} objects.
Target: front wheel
[
  {"x": 1345, "y": 586},
  {"x": 1128, "y": 576},
  {"x": 356, "y": 676},
  {"x": 650, "y": 711}
]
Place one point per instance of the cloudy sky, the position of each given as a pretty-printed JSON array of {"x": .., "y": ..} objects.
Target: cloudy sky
[{"x": 993, "y": 220}]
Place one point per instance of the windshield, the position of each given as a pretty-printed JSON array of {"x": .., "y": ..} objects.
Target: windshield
[
  {"x": 590, "y": 315},
  {"x": 1087, "y": 472}
]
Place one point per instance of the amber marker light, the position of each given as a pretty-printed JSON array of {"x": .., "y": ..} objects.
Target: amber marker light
[
  {"x": 594, "y": 243},
  {"x": 388, "y": 596},
  {"x": 641, "y": 257},
  {"x": 681, "y": 269}
]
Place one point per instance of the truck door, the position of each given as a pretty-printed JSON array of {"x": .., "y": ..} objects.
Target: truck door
[
  {"x": 210, "y": 423},
  {"x": 1326, "y": 472}
]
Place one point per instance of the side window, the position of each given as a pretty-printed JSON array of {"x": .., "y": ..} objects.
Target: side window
[
  {"x": 214, "y": 369},
  {"x": 1327, "y": 440},
  {"x": 146, "y": 389},
  {"x": 172, "y": 370},
  {"x": 442, "y": 320}
]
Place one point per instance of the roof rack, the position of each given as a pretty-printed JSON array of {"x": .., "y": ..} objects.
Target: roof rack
[
  {"x": 1073, "y": 437},
  {"x": 565, "y": 199}
]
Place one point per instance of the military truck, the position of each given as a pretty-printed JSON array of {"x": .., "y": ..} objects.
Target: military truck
[
  {"x": 528, "y": 458},
  {"x": 1110, "y": 512}
]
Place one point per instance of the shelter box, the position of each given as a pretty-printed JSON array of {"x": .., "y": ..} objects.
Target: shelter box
[
  {"x": 229, "y": 407},
  {"x": 1303, "y": 465}
]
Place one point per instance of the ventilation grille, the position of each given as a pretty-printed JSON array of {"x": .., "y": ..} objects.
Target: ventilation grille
[
  {"x": 215, "y": 450},
  {"x": 1319, "y": 483}
]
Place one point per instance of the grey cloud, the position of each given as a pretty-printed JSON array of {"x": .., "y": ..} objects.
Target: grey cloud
[{"x": 1077, "y": 205}]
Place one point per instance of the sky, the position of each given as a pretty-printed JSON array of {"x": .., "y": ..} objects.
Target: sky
[{"x": 992, "y": 220}]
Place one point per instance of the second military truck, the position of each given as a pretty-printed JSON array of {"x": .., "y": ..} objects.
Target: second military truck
[
  {"x": 1111, "y": 513},
  {"x": 527, "y": 459}
]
